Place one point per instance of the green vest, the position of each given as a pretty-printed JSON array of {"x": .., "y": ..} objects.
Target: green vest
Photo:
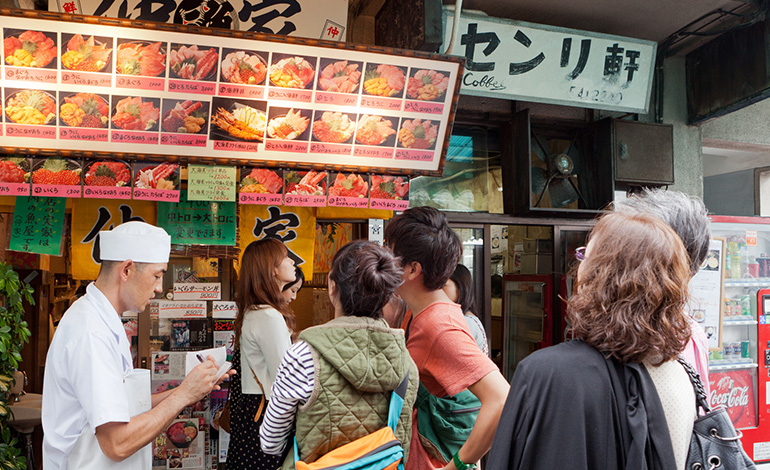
[{"x": 358, "y": 362}]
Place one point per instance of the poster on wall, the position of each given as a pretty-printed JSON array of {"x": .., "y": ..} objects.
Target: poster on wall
[
  {"x": 706, "y": 293},
  {"x": 301, "y": 18},
  {"x": 171, "y": 93}
]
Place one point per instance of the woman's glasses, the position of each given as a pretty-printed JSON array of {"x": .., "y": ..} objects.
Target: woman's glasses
[{"x": 580, "y": 253}]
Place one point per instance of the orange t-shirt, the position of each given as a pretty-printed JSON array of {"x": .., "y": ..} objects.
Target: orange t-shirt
[{"x": 448, "y": 359}]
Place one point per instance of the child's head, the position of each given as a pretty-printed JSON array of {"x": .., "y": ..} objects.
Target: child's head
[
  {"x": 422, "y": 235},
  {"x": 365, "y": 275}
]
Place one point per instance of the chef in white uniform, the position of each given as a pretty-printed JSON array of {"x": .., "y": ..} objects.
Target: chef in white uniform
[{"x": 97, "y": 409}]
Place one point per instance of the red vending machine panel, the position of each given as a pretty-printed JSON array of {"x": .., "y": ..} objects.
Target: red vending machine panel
[{"x": 739, "y": 360}]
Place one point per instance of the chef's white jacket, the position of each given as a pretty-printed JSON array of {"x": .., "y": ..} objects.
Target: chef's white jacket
[{"x": 83, "y": 385}]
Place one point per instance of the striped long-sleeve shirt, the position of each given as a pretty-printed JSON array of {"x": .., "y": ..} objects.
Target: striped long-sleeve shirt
[{"x": 292, "y": 388}]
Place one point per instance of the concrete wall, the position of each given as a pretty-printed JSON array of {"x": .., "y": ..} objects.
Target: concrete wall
[
  {"x": 743, "y": 129},
  {"x": 730, "y": 193},
  {"x": 688, "y": 155}
]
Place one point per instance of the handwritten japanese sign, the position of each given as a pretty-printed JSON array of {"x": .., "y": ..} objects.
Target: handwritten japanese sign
[
  {"x": 532, "y": 62},
  {"x": 182, "y": 309},
  {"x": 211, "y": 183},
  {"x": 294, "y": 226},
  {"x": 197, "y": 291},
  {"x": 224, "y": 309},
  {"x": 37, "y": 225},
  {"x": 198, "y": 222},
  {"x": 302, "y": 18}
]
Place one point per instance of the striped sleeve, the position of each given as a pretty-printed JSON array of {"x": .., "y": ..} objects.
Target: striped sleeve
[{"x": 292, "y": 388}]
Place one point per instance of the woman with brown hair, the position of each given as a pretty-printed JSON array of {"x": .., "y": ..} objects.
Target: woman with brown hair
[
  {"x": 264, "y": 329},
  {"x": 615, "y": 397}
]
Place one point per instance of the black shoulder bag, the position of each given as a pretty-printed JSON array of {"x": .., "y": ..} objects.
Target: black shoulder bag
[{"x": 715, "y": 444}]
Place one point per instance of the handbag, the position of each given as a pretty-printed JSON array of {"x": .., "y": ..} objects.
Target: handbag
[
  {"x": 380, "y": 450},
  {"x": 224, "y": 417},
  {"x": 715, "y": 443}
]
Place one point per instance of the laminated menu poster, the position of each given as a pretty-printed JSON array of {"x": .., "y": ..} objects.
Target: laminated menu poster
[
  {"x": 706, "y": 293},
  {"x": 121, "y": 89},
  {"x": 182, "y": 445}
]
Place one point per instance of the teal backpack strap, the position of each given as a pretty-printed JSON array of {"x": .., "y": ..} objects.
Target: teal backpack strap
[
  {"x": 397, "y": 402},
  {"x": 296, "y": 452}
]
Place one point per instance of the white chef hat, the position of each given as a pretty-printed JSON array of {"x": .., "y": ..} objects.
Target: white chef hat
[{"x": 137, "y": 241}]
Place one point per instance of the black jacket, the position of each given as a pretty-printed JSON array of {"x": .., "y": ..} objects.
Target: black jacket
[{"x": 569, "y": 407}]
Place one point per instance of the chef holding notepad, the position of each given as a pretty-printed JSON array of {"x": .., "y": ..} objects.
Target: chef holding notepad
[{"x": 97, "y": 409}]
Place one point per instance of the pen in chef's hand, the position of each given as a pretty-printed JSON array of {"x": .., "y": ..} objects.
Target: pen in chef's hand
[{"x": 200, "y": 358}]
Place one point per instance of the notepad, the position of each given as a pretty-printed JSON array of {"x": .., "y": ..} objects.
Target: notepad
[{"x": 219, "y": 355}]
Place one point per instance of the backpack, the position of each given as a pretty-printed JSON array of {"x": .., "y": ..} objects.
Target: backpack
[
  {"x": 380, "y": 450},
  {"x": 443, "y": 423}
]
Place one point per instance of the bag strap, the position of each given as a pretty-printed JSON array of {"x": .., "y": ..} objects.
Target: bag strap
[
  {"x": 397, "y": 402},
  {"x": 701, "y": 401},
  {"x": 262, "y": 402},
  {"x": 394, "y": 411}
]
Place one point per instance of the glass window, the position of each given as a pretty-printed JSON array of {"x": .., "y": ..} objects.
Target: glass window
[{"x": 472, "y": 180}]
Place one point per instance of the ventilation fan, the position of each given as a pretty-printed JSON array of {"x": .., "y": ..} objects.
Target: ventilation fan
[
  {"x": 558, "y": 167},
  {"x": 554, "y": 171}
]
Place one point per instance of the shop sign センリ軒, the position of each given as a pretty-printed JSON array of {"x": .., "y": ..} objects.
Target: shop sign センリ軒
[{"x": 547, "y": 64}]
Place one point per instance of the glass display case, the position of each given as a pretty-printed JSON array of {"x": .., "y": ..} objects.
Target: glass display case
[{"x": 527, "y": 317}]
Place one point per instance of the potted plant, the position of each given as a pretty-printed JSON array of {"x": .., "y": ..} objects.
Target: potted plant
[{"x": 13, "y": 335}]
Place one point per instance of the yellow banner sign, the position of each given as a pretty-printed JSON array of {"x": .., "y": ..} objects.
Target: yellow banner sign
[
  {"x": 294, "y": 226},
  {"x": 90, "y": 216}
]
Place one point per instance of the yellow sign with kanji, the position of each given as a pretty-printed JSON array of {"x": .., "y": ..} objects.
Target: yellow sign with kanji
[
  {"x": 294, "y": 226},
  {"x": 90, "y": 216}
]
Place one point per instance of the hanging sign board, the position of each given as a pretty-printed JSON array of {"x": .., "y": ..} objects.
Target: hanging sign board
[
  {"x": 182, "y": 309},
  {"x": 37, "y": 225},
  {"x": 211, "y": 183},
  {"x": 706, "y": 289},
  {"x": 224, "y": 309},
  {"x": 249, "y": 97},
  {"x": 198, "y": 222},
  {"x": 547, "y": 64},
  {"x": 301, "y": 18}
]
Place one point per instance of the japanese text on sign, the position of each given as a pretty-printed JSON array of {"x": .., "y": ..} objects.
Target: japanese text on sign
[
  {"x": 181, "y": 309},
  {"x": 37, "y": 225},
  {"x": 199, "y": 222},
  {"x": 197, "y": 291},
  {"x": 517, "y": 60},
  {"x": 211, "y": 183}
]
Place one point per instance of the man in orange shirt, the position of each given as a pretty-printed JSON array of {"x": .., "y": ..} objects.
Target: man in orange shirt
[{"x": 447, "y": 357}]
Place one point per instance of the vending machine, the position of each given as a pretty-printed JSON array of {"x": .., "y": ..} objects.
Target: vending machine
[{"x": 737, "y": 327}]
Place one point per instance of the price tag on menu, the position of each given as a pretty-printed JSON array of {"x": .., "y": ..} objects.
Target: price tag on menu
[
  {"x": 182, "y": 309},
  {"x": 197, "y": 291}
]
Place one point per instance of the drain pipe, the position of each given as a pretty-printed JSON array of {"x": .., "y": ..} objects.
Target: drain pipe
[{"x": 455, "y": 26}]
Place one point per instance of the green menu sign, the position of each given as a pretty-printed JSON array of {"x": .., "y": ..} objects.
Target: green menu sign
[
  {"x": 37, "y": 225},
  {"x": 198, "y": 222},
  {"x": 211, "y": 183}
]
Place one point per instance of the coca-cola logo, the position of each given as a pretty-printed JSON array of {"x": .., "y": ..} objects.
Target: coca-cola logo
[{"x": 735, "y": 391}]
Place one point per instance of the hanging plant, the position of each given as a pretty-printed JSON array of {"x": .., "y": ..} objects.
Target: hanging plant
[{"x": 14, "y": 334}]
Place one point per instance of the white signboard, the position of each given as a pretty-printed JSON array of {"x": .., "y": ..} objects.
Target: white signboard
[
  {"x": 182, "y": 309},
  {"x": 197, "y": 290},
  {"x": 183, "y": 94},
  {"x": 306, "y": 18},
  {"x": 224, "y": 309},
  {"x": 706, "y": 293},
  {"x": 531, "y": 62}
]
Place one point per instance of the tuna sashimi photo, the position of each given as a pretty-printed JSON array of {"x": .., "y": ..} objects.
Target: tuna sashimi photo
[
  {"x": 389, "y": 187},
  {"x": 352, "y": 185},
  {"x": 384, "y": 80},
  {"x": 143, "y": 58},
  {"x": 29, "y": 49},
  {"x": 135, "y": 114},
  {"x": 261, "y": 180},
  {"x": 192, "y": 63},
  {"x": 340, "y": 77},
  {"x": 86, "y": 55}
]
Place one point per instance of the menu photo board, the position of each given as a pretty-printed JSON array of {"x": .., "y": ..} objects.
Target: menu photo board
[{"x": 244, "y": 97}]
